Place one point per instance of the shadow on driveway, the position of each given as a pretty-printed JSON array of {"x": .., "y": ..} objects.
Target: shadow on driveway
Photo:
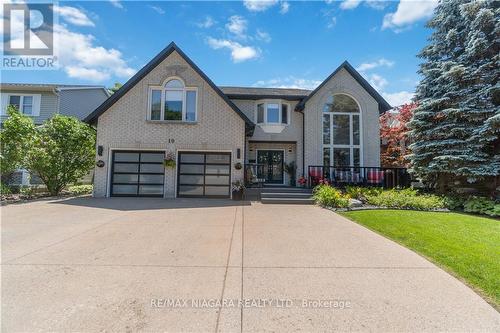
[{"x": 130, "y": 204}]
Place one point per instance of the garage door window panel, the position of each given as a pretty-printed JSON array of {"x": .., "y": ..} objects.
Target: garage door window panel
[
  {"x": 191, "y": 179},
  {"x": 217, "y": 190},
  {"x": 217, "y": 169}
]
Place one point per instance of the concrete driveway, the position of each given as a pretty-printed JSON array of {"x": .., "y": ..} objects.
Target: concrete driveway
[{"x": 208, "y": 265}]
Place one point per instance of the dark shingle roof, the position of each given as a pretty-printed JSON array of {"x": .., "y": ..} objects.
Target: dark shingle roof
[
  {"x": 258, "y": 93},
  {"x": 92, "y": 118}
]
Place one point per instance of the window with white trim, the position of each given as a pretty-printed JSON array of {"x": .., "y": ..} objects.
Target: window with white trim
[
  {"x": 341, "y": 132},
  {"x": 23, "y": 103},
  {"x": 273, "y": 112},
  {"x": 173, "y": 102}
]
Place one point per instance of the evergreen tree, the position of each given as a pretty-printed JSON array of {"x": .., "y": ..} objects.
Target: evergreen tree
[{"x": 455, "y": 128}]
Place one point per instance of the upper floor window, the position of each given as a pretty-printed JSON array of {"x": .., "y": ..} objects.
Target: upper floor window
[
  {"x": 22, "y": 103},
  {"x": 174, "y": 102},
  {"x": 273, "y": 112},
  {"x": 341, "y": 131},
  {"x": 25, "y": 103}
]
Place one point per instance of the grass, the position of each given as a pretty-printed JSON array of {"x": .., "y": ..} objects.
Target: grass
[{"x": 466, "y": 246}]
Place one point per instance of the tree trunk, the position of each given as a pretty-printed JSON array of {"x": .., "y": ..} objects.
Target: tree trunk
[{"x": 442, "y": 183}]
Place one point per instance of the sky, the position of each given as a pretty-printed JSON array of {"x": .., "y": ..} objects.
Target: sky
[{"x": 272, "y": 43}]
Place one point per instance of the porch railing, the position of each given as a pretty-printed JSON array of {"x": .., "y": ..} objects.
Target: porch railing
[
  {"x": 254, "y": 175},
  {"x": 360, "y": 176}
]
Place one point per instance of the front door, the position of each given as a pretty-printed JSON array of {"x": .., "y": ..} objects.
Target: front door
[{"x": 272, "y": 161}]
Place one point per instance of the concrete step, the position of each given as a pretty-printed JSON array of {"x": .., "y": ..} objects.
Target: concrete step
[
  {"x": 285, "y": 190},
  {"x": 293, "y": 201},
  {"x": 285, "y": 195}
]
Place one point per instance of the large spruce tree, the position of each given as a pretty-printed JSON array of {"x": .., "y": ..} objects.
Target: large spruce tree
[{"x": 455, "y": 129}]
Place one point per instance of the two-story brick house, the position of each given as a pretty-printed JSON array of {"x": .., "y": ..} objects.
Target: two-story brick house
[{"x": 170, "y": 108}]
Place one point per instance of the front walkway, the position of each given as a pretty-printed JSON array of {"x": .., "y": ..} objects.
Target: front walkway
[{"x": 112, "y": 264}]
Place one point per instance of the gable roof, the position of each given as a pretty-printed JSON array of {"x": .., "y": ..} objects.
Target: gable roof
[
  {"x": 253, "y": 93},
  {"x": 382, "y": 103},
  {"x": 92, "y": 118}
]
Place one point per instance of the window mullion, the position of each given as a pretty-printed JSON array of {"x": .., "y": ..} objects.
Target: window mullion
[
  {"x": 183, "y": 105},
  {"x": 351, "y": 141},
  {"x": 330, "y": 119},
  {"x": 265, "y": 113},
  {"x": 162, "y": 107}
]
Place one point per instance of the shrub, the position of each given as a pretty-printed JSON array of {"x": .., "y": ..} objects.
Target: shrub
[
  {"x": 16, "y": 136},
  {"x": 482, "y": 206},
  {"x": 327, "y": 196},
  {"x": 63, "y": 152},
  {"x": 27, "y": 191},
  {"x": 361, "y": 193},
  {"x": 4, "y": 189},
  {"x": 407, "y": 199},
  {"x": 454, "y": 202},
  {"x": 80, "y": 189}
]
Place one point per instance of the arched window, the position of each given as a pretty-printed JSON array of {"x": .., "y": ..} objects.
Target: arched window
[
  {"x": 174, "y": 101},
  {"x": 341, "y": 132}
]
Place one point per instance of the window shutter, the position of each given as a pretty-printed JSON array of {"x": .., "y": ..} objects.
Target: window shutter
[
  {"x": 4, "y": 103},
  {"x": 36, "y": 104},
  {"x": 284, "y": 113}
]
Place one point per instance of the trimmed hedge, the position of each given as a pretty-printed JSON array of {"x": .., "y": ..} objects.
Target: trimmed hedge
[{"x": 80, "y": 189}]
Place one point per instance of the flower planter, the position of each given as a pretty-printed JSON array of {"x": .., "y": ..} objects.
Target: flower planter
[{"x": 238, "y": 195}]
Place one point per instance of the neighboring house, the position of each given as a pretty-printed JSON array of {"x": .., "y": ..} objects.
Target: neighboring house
[
  {"x": 42, "y": 101},
  {"x": 171, "y": 108}
]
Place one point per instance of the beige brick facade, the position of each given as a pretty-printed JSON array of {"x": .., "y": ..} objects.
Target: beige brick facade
[
  {"x": 125, "y": 126},
  {"x": 342, "y": 82}
]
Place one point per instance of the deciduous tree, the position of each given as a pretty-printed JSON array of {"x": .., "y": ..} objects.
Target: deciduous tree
[
  {"x": 16, "y": 139},
  {"x": 394, "y": 134}
]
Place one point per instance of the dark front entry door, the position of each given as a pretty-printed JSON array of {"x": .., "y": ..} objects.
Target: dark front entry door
[{"x": 273, "y": 165}]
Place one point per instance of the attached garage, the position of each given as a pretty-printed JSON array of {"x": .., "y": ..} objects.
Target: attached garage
[
  {"x": 204, "y": 174},
  {"x": 137, "y": 174}
]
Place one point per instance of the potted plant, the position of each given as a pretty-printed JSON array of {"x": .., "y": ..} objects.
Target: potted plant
[
  {"x": 169, "y": 161},
  {"x": 302, "y": 181},
  {"x": 237, "y": 189},
  {"x": 238, "y": 166},
  {"x": 290, "y": 169}
]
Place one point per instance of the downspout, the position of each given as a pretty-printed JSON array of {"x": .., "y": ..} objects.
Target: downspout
[
  {"x": 303, "y": 143},
  {"x": 58, "y": 95}
]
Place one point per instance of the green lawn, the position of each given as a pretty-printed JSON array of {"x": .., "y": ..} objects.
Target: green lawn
[{"x": 466, "y": 246}]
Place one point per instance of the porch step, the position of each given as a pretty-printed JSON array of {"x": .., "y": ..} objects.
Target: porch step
[
  {"x": 286, "y": 195},
  {"x": 285, "y": 190},
  {"x": 295, "y": 201}
]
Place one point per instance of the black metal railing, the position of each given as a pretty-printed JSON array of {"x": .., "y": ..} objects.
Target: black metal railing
[
  {"x": 254, "y": 175},
  {"x": 359, "y": 176}
]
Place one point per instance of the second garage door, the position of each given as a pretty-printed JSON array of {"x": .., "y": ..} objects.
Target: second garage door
[{"x": 204, "y": 174}]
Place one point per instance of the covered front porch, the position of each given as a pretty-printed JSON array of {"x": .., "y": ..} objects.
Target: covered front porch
[{"x": 271, "y": 163}]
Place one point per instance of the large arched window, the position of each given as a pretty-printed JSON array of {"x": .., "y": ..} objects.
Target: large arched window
[
  {"x": 174, "y": 101},
  {"x": 341, "y": 132}
]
